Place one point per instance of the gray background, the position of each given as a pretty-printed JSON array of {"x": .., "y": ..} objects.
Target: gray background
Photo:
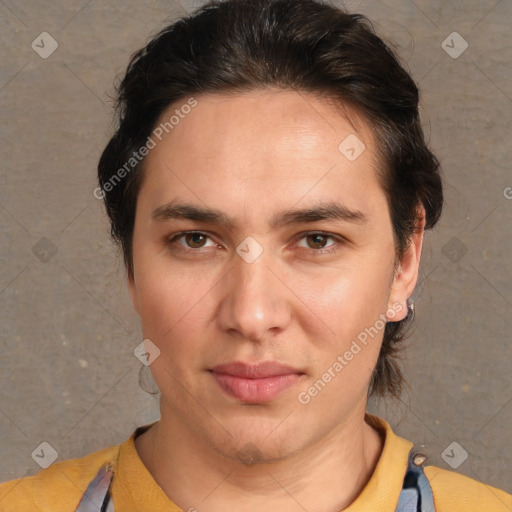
[{"x": 68, "y": 375}]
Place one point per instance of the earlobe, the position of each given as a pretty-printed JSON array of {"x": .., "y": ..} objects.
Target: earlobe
[{"x": 406, "y": 274}]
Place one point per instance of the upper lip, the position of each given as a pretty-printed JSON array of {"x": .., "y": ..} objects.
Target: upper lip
[{"x": 255, "y": 371}]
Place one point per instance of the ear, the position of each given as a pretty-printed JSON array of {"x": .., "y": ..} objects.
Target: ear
[
  {"x": 132, "y": 289},
  {"x": 406, "y": 274}
]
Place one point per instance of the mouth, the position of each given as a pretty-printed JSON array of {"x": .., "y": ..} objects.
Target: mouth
[{"x": 257, "y": 383}]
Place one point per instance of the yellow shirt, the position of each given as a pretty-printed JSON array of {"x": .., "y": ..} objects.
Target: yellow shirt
[{"x": 59, "y": 488}]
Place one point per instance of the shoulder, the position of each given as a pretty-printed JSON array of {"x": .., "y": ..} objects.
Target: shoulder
[
  {"x": 56, "y": 488},
  {"x": 454, "y": 492}
]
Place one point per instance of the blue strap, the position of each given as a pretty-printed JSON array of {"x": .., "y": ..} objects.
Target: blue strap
[
  {"x": 96, "y": 497},
  {"x": 416, "y": 494}
]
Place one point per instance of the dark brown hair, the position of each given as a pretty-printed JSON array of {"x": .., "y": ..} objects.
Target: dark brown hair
[{"x": 304, "y": 45}]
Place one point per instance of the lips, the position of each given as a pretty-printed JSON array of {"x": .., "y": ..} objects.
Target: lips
[
  {"x": 257, "y": 371},
  {"x": 255, "y": 383}
]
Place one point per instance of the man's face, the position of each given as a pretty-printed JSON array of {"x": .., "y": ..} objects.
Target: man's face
[{"x": 301, "y": 291}]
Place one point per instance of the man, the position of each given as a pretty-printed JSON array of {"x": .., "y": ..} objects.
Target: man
[{"x": 270, "y": 185}]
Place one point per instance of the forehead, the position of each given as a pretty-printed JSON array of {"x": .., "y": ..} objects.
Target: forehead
[
  {"x": 263, "y": 148},
  {"x": 282, "y": 118}
]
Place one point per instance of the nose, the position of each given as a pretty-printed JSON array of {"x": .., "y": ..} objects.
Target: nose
[{"x": 256, "y": 300}]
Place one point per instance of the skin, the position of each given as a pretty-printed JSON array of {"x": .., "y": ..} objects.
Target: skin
[{"x": 251, "y": 155}]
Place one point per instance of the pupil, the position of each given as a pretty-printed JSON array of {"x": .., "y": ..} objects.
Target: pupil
[
  {"x": 194, "y": 237},
  {"x": 316, "y": 237}
]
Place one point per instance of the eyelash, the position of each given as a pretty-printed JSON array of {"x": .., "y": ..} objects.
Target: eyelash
[{"x": 331, "y": 250}]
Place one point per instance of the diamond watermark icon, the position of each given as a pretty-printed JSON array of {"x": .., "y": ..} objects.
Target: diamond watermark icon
[
  {"x": 249, "y": 250},
  {"x": 454, "y": 455},
  {"x": 454, "y": 45},
  {"x": 352, "y": 147},
  {"x": 249, "y": 454},
  {"x": 45, "y": 455},
  {"x": 44, "y": 45},
  {"x": 454, "y": 249},
  {"x": 146, "y": 352},
  {"x": 44, "y": 249}
]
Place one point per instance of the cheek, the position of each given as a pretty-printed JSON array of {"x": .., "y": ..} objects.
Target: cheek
[
  {"x": 170, "y": 301},
  {"x": 171, "y": 308},
  {"x": 347, "y": 301},
  {"x": 351, "y": 307}
]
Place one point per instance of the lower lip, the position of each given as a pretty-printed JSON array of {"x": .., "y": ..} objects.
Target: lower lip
[{"x": 255, "y": 390}]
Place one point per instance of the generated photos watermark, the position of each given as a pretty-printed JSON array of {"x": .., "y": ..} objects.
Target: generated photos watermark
[
  {"x": 137, "y": 156},
  {"x": 304, "y": 397}
]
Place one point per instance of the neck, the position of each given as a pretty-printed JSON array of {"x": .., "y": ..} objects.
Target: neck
[{"x": 326, "y": 476}]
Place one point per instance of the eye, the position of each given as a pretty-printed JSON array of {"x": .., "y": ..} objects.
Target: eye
[
  {"x": 315, "y": 241},
  {"x": 318, "y": 241},
  {"x": 193, "y": 239}
]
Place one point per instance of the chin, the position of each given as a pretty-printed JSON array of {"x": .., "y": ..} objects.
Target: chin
[
  {"x": 249, "y": 453},
  {"x": 257, "y": 443}
]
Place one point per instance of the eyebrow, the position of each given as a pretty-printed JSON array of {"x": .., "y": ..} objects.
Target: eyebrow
[{"x": 315, "y": 213}]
